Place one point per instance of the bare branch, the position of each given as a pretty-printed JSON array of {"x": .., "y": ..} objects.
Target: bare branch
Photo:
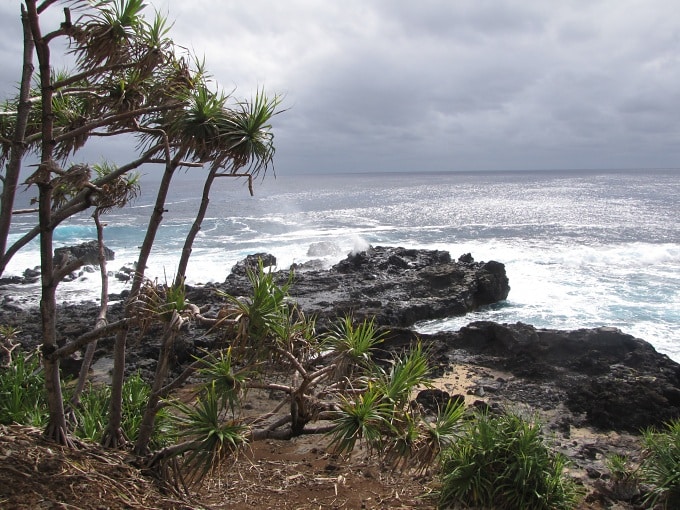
[
  {"x": 86, "y": 74},
  {"x": 249, "y": 176},
  {"x": 181, "y": 163},
  {"x": 112, "y": 119},
  {"x": 270, "y": 386},
  {"x": 60, "y": 273},
  {"x": 88, "y": 337},
  {"x": 296, "y": 363}
]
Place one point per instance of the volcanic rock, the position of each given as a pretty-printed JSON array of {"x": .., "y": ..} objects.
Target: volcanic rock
[
  {"x": 610, "y": 379},
  {"x": 87, "y": 252},
  {"x": 395, "y": 286}
]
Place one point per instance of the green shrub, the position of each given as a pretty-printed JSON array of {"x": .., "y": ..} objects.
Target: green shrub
[
  {"x": 352, "y": 345},
  {"x": 258, "y": 315},
  {"x": 23, "y": 400},
  {"x": 661, "y": 465},
  {"x": 502, "y": 462},
  {"x": 22, "y": 391},
  {"x": 91, "y": 413},
  {"x": 210, "y": 438}
]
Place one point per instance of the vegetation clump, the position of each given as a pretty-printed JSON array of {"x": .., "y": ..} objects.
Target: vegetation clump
[
  {"x": 661, "y": 465},
  {"x": 502, "y": 461}
]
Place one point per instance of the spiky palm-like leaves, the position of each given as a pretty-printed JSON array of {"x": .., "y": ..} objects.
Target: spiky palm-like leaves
[
  {"x": 194, "y": 129},
  {"x": 352, "y": 345},
  {"x": 227, "y": 380},
  {"x": 212, "y": 438},
  {"x": 209, "y": 130},
  {"x": 257, "y": 317},
  {"x": 103, "y": 38},
  {"x": 127, "y": 65},
  {"x": 661, "y": 465},
  {"x": 8, "y": 110},
  {"x": 246, "y": 140},
  {"x": 22, "y": 391},
  {"x": 502, "y": 462},
  {"x": 295, "y": 333},
  {"x": 406, "y": 372},
  {"x": 365, "y": 419},
  {"x": 381, "y": 416},
  {"x": 118, "y": 192}
]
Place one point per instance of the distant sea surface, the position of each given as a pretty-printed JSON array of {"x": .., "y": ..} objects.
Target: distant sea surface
[{"x": 581, "y": 248}]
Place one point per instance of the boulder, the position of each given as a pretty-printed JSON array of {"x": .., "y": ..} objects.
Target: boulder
[
  {"x": 87, "y": 252},
  {"x": 241, "y": 268}
]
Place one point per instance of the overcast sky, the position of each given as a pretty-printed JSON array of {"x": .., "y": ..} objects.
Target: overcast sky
[{"x": 400, "y": 85}]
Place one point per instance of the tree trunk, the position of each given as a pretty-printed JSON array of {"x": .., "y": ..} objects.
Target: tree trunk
[
  {"x": 56, "y": 428},
  {"x": 113, "y": 435},
  {"x": 195, "y": 228},
  {"x": 11, "y": 178},
  {"x": 101, "y": 318},
  {"x": 162, "y": 368}
]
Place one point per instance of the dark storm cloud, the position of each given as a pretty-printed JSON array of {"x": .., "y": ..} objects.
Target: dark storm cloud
[{"x": 439, "y": 85}]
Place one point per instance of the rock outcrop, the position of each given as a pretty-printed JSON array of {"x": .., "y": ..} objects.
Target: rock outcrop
[
  {"x": 87, "y": 252},
  {"x": 397, "y": 286},
  {"x": 603, "y": 377},
  {"x": 599, "y": 377}
]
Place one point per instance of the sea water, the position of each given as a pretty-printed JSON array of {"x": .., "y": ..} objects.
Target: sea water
[{"x": 581, "y": 248}]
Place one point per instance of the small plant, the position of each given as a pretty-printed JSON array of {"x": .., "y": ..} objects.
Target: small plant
[
  {"x": 380, "y": 416},
  {"x": 136, "y": 393},
  {"x": 227, "y": 381},
  {"x": 158, "y": 301},
  {"x": 210, "y": 439},
  {"x": 296, "y": 333},
  {"x": 661, "y": 465},
  {"x": 352, "y": 345},
  {"x": 22, "y": 391},
  {"x": 406, "y": 372},
  {"x": 257, "y": 318},
  {"x": 8, "y": 337},
  {"x": 620, "y": 468},
  {"x": 92, "y": 412},
  {"x": 364, "y": 419},
  {"x": 624, "y": 477},
  {"x": 502, "y": 462}
]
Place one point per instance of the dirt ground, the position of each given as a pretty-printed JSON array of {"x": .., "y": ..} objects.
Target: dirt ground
[
  {"x": 272, "y": 474},
  {"x": 36, "y": 474}
]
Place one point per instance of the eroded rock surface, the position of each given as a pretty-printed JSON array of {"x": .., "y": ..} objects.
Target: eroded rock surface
[
  {"x": 397, "y": 286},
  {"x": 601, "y": 377}
]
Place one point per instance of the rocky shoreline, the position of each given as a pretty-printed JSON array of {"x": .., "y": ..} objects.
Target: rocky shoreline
[
  {"x": 608, "y": 379},
  {"x": 600, "y": 379}
]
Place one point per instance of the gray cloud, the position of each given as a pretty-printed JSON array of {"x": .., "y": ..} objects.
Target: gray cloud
[{"x": 438, "y": 85}]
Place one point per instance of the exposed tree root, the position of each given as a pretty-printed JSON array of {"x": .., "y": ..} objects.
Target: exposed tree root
[
  {"x": 115, "y": 439},
  {"x": 59, "y": 435}
]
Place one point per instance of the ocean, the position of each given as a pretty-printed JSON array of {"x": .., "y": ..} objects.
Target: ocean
[{"x": 581, "y": 248}]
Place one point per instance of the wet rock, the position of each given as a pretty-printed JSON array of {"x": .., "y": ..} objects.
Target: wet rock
[
  {"x": 87, "y": 253},
  {"x": 433, "y": 400}
]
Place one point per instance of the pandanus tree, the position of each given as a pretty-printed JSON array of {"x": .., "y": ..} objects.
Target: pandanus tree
[
  {"x": 244, "y": 137},
  {"x": 205, "y": 131},
  {"x": 126, "y": 79}
]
